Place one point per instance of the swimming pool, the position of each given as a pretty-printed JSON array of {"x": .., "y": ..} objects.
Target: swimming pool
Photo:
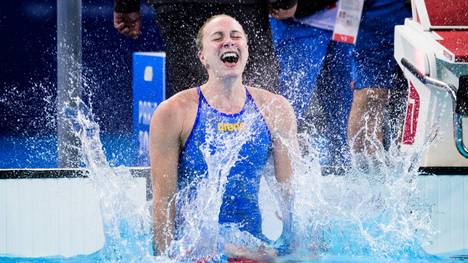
[{"x": 56, "y": 215}]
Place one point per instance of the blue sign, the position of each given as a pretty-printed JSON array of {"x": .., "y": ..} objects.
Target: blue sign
[{"x": 148, "y": 92}]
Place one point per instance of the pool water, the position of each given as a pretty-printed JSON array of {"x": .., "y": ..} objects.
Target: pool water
[{"x": 41, "y": 151}]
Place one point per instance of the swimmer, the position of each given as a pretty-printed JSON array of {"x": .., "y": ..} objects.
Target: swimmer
[{"x": 224, "y": 105}]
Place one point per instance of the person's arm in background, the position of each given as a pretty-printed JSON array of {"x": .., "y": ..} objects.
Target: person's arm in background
[
  {"x": 127, "y": 18},
  {"x": 164, "y": 145},
  {"x": 306, "y": 7},
  {"x": 284, "y": 9}
]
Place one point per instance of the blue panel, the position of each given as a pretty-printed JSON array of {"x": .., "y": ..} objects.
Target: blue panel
[{"x": 148, "y": 93}]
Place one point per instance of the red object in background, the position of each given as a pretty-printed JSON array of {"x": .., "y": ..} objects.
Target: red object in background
[
  {"x": 412, "y": 113},
  {"x": 456, "y": 42},
  {"x": 343, "y": 38},
  {"x": 447, "y": 12}
]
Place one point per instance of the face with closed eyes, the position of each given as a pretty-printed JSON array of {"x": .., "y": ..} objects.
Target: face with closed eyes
[{"x": 224, "y": 49}]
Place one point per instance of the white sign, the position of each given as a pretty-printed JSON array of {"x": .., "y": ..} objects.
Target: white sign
[{"x": 347, "y": 21}]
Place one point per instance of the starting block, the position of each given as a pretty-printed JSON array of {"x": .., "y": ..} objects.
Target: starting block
[{"x": 432, "y": 49}]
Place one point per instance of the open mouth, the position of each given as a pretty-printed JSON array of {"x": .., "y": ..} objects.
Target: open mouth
[{"x": 230, "y": 57}]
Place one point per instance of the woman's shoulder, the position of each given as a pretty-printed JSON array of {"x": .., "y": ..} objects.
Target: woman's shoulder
[
  {"x": 264, "y": 97},
  {"x": 178, "y": 105}
]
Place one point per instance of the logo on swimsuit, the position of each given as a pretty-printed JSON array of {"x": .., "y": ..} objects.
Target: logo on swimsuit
[{"x": 230, "y": 127}]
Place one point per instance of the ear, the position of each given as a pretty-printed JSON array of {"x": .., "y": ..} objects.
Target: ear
[{"x": 201, "y": 56}]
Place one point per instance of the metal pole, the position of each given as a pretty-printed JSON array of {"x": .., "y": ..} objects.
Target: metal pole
[{"x": 68, "y": 77}]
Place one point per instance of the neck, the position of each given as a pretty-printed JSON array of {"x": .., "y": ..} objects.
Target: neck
[
  {"x": 226, "y": 95},
  {"x": 225, "y": 86}
]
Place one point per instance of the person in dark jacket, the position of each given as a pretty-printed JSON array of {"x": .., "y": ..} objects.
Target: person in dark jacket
[{"x": 178, "y": 22}]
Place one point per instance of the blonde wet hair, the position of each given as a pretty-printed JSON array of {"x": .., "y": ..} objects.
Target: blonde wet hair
[{"x": 199, "y": 39}]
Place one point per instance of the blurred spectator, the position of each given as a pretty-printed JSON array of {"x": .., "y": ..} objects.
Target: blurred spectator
[
  {"x": 375, "y": 73},
  {"x": 314, "y": 75},
  {"x": 300, "y": 48}
]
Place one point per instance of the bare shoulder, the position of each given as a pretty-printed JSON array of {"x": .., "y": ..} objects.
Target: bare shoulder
[
  {"x": 277, "y": 111},
  {"x": 270, "y": 102},
  {"x": 174, "y": 109}
]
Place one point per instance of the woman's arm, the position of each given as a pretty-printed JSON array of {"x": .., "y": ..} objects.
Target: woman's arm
[{"x": 164, "y": 146}]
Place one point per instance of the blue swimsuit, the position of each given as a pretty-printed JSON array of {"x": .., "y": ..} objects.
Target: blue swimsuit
[{"x": 240, "y": 199}]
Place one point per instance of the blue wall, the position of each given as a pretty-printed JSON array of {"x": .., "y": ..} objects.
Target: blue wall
[{"x": 28, "y": 65}]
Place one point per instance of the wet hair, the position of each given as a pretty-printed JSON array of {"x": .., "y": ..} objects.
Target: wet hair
[{"x": 199, "y": 40}]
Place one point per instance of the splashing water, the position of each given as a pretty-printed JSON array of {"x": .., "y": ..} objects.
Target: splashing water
[
  {"x": 373, "y": 210},
  {"x": 377, "y": 213},
  {"x": 127, "y": 222}
]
